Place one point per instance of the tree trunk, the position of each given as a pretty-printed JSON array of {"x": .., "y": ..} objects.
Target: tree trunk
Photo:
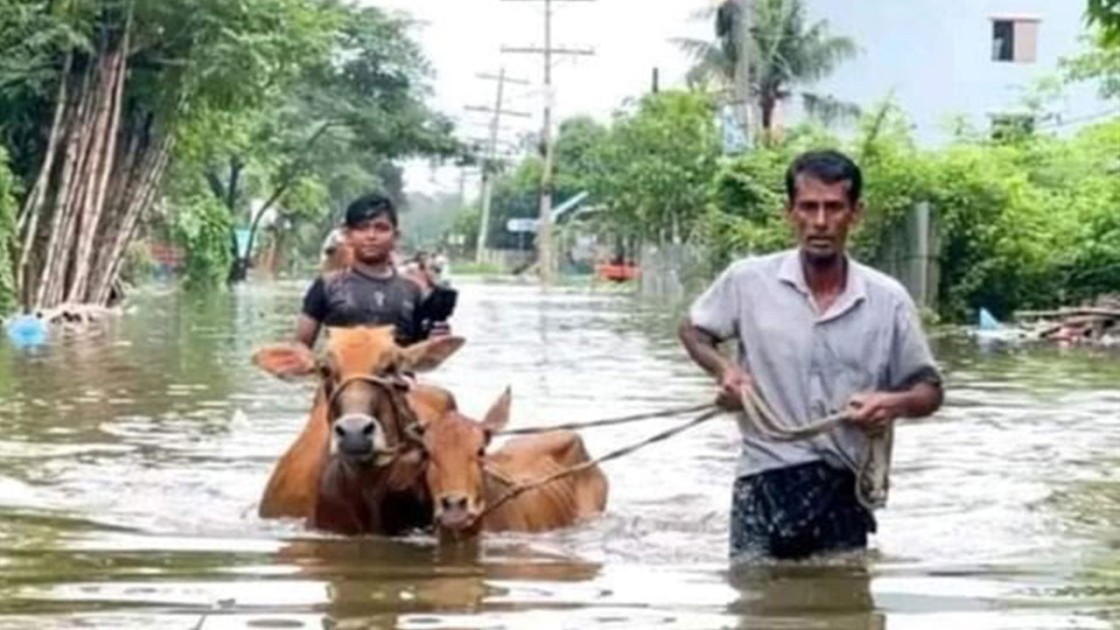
[
  {"x": 75, "y": 158},
  {"x": 141, "y": 195},
  {"x": 240, "y": 269},
  {"x": 116, "y": 64},
  {"x": 28, "y": 224},
  {"x": 99, "y": 176},
  {"x": 767, "y": 105}
]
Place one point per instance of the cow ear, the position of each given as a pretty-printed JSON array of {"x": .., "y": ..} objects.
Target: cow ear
[
  {"x": 286, "y": 360},
  {"x": 498, "y": 415},
  {"x": 428, "y": 355}
]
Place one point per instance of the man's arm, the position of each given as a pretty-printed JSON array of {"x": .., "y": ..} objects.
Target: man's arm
[
  {"x": 315, "y": 307},
  {"x": 307, "y": 329},
  {"x": 914, "y": 385},
  {"x": 712, "y": 318},
  {"x": 877, "y": 409},
  {"x": 703, "y": 348}
]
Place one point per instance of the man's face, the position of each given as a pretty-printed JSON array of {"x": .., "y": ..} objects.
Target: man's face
[
  {"x": 372, "y": 240},
  {"x": 822, "y": 215}
]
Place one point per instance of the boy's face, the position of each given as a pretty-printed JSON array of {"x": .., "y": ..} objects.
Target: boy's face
[{"x": 372, "y": 240}]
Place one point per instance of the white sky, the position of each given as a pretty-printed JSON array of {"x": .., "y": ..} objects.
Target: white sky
[{"x": 463, "y": 38}]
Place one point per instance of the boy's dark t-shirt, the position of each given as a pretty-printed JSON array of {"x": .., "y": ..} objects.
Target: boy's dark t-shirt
[{"x": 352, "y": 298}]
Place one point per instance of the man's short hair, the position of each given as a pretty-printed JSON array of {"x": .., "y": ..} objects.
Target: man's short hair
[
  {"x": 829, "y": 166},
  {"x": 369, "y": 207}
]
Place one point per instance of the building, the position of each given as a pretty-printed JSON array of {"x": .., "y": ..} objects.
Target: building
[{"x": 974, "y": 58}]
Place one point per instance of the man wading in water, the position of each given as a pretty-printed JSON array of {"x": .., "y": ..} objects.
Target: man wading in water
[
  {"x": 817, "y": 333},
  {"x": 371, "y": 291}
]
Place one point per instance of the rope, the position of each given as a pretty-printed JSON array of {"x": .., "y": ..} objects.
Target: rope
[
  {"x": 572, "y": 426},
  {"x": 873, "y": 472},
  {"x": 409, "y": 423},
  {"x": 521, "y": 488},
  {"x": 872, "y": 475}
]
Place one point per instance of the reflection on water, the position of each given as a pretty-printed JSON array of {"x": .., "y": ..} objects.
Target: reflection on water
[{"x": 131, "y": 462}]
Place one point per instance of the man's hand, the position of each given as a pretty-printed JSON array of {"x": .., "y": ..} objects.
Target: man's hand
[
  {"x": 731, "y": 383},
  {"x": 873, "y": 411}
]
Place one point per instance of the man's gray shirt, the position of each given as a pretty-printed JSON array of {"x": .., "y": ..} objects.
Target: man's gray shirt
[{"x": 807, "y": 364}]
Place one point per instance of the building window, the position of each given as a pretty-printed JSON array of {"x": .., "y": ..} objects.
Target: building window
[{"x": 1015, "y": 39}]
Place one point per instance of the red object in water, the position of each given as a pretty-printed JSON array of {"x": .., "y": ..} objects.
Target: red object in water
[{"x": 617, "y": 272}]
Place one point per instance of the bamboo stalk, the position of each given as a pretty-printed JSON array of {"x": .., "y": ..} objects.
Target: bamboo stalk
[
  {"x": 28, "y": 223},
  {"x": 85, "y": 259},
  {"x": 141, "y": 201},
  {"x": 74, "y": 156},
  {"x": 84, "y": 215}
]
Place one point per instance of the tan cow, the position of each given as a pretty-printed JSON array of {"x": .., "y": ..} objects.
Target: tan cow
[
  {"x": 463, "y": 479},
  {"x": 357, "y": 466}
]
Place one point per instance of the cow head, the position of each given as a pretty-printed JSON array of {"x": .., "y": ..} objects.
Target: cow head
[
  {"x": 456, "y": 450},
  {"x": 362, "y": 370}
]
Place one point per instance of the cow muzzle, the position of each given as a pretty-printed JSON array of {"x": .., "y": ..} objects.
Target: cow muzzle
[
  {"x": 360, "y": 437},
  {"x": 455, "y": 512}
]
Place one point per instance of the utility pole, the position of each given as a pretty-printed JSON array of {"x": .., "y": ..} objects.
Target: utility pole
[
  {"x": 544, "y": 225},
  {"x": 491, "y": 155},
  {"x": 743, "y": 72}
]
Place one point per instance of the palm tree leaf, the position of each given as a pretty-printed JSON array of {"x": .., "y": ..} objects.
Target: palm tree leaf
[
  {"x": 711, "y": 63},
  {"x": 829, "y": 110},
  {"x": 695, "y": 48}
]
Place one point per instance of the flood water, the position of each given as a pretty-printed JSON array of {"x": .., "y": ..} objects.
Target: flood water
[{"x": 131, "y": 464}]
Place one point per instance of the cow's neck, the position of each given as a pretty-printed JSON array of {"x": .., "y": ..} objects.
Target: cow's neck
[
  {"x": 355, "y": 490},
  {"x": 493, "y": 489}
]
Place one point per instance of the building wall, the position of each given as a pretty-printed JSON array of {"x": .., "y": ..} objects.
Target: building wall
[{"x": 936, "y": 55}]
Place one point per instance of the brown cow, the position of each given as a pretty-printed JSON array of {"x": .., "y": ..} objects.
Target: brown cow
[
  {"x": 463, "y": 479},
  {"x": 355, "y": 469}
]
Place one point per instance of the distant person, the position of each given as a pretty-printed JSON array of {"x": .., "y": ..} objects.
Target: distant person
[
  {"x": 440, "y": 297},
  {"x": 369, "y": 290}
]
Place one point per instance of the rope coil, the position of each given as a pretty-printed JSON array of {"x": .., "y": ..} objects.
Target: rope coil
[{"x": 873, "y": 472}]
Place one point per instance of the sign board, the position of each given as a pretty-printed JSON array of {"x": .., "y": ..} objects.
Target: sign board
[
  {"x": 521, "y": 225},
  {"x": 242, "y": 242}
]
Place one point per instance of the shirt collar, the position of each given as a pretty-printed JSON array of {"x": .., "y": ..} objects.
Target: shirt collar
[{"x": 855, "y": 286}]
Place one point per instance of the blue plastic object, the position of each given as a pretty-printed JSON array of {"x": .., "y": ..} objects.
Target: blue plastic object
[
  {"x": 987, "y": 322},
  {"x": 26, "y": 330}
]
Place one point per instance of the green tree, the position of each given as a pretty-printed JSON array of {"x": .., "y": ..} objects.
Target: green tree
[
  {"x": 1025, "y": 222},
  {"x": 7, "y": 228},
  {"x": 576, "y": 157},
  {"x": 1101, "y": 63},
  {"x": 108, "y": 89},
  {"x": 784, "y": 53},
  {"x": 652, "y": 171},
  {"x": 1106, "y": 15},
  {"x": 349, "y": 114}
]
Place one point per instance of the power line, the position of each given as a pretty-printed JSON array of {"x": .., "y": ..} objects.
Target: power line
[
  {"x": 1073, "y": 121},
  {"x": 491, "y": 152}
]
